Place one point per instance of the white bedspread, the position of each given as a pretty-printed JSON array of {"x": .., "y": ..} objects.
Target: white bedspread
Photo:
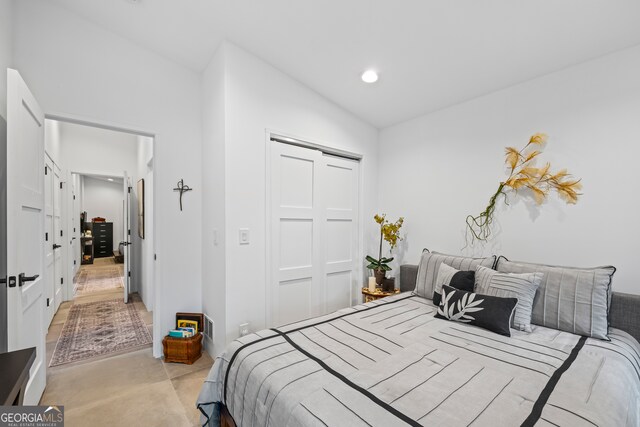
[{"x": 390, "y": 362}]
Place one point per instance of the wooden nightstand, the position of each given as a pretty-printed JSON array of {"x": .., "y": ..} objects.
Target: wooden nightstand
[{"x": 377, "y": 294}]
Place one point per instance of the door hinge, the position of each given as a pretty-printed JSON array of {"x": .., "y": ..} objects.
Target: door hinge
[
  {"x": 129, "y": 232},
  {"x": 128, "y": 273},
  {"x": 60, "y": 233},
  {"x": 45, "y": 170},
  {"x": 61, "y": 186},
  {"x": 74, "y": 262},
  {"x": 47, "y": 302},
  {"x": 74, "y": 197},
  {"x": 62, "y": 280},
  {"x": 129, "y": 188},
  {"x": 155, "y": 257},
  {"x": 46, "y": 237},
  {"x": 74, "y": 229}
]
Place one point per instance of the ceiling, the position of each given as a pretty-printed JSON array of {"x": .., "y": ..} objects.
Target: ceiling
[{"x": 430, "y": 53}]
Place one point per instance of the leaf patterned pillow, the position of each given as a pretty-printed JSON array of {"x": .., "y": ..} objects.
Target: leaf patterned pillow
[{"x": 485, "y": 311}]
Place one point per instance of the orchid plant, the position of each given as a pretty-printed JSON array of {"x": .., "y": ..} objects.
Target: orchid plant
[{"x": 389, "y": 232}]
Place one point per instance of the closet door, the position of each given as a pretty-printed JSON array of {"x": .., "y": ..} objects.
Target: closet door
[
  {"x": 49, "y": 242},
  {"x": 313, "y": 233},
  {"x": 295, "y": 233},
  {"x": 340, "y": 187},
  {"x": 58, "y": 238}
]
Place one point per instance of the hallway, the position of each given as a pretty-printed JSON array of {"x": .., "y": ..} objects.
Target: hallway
[{"x": 114, "y": 389}]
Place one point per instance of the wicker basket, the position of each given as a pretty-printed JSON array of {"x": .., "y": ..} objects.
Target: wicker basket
[{"x": 182, "y": 350}]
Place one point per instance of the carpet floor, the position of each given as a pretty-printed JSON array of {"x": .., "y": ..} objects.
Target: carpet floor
[{"x": 98, "y": 328}]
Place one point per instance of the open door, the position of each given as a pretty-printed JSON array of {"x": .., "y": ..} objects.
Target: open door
[
  {"x": 25, "y": 230},
  {"x": 126, "y": 208}
]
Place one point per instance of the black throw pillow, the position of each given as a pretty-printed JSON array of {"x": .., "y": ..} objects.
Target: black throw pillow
[
  {"x": 447, "y": 275},
  {"x": 485, "y": 311}
]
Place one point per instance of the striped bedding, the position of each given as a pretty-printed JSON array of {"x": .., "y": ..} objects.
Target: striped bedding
[{"x": 390, "y": 362}]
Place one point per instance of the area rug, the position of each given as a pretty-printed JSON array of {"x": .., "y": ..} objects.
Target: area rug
[
  {"x": 98, "y": 278},
  {"x": 99, "y": 328}
]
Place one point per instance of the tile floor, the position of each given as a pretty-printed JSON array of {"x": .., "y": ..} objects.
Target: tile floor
[{"x": 129, "y": 389}]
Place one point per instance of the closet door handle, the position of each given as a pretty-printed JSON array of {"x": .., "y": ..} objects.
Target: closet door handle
[{"x": 56, "y": 246}]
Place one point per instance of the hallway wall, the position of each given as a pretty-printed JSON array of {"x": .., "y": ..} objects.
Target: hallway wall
[
  {"x": 78, "y": 69},
  {"x": 90, "y": 150}
]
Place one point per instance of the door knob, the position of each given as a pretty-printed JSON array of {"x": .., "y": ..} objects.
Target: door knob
[
  {"x": 56, "y": 246},
  {"x": 22, "y": 279}
]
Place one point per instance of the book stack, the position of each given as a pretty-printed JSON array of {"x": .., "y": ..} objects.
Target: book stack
[{"x": 184, "y": 332}]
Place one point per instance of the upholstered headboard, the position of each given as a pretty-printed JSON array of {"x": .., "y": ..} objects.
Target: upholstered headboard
[{"x": 624, "y": 313}]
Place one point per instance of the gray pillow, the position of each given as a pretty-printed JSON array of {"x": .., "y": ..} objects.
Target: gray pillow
[
  {"x": 510, "y": 285},
  {"x": 430, "y": 262},
  {"x": 569, "y": 299}
]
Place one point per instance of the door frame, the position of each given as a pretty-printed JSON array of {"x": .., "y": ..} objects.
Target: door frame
[
  {"x": 288, "y": 138},
  {"x": 156, "y": 278}
]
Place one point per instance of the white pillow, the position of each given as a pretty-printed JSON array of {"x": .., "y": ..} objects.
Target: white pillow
[{"x": 510, "y": 285}]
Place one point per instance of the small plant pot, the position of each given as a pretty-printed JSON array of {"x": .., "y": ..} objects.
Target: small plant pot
[{"x": 380, "y": 275}]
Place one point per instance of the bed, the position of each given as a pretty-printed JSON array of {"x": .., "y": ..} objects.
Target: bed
[{"x": 390, "y": 362}]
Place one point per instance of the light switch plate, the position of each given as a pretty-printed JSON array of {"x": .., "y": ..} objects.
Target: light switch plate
[{"x": 244, "y": 236}]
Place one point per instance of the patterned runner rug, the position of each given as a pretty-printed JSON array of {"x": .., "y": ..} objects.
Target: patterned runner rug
[
  {"x": 99, "y": 328},
  {"x": 99, "y": 278}
]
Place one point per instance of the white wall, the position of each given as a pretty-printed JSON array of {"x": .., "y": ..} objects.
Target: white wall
[
  {"x": 6, "y": 50},
  {"x": 104, "y": 198},
  {"x": 78, "y": 69},
  {"x": 259, "y": 97},
  {"x": 90, "y": 150},
  {"x": 214, "y": 198},
  {"x": 439, "y": 168}
]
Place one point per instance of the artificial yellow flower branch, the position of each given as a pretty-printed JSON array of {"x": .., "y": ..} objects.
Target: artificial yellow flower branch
[{"x": 525, "y": 175}]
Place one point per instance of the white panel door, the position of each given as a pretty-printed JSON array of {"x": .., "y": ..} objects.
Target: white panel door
[
  {"x": 57, "y": 238},
  {"x": 71, "y": 245},
  {"x": 340, "y": 187},
  {"x": 77, "y": 230},
  {"x": 25, "y": 229},
  {"x": 126, "y": 238},
  {"x": 49, "y": 241},
  {"x": 295, "y": 233},
  {"x": 313, "y": 233}
]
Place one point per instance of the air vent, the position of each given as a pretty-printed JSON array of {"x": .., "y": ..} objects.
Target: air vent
[{"x": 208, "y": 327}]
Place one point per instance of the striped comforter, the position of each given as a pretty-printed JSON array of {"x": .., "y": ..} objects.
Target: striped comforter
[{"x": 390, "y": 362}]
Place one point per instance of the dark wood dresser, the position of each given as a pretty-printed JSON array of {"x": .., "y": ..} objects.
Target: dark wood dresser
[
  {"x": 14, "y": 371},
  {"x": 102, "y": 239}
]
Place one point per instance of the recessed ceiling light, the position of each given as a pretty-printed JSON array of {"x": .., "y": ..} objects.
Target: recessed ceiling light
[
  {"x": 110, "y": 179},
  {"x": 369, "y": 76}
]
